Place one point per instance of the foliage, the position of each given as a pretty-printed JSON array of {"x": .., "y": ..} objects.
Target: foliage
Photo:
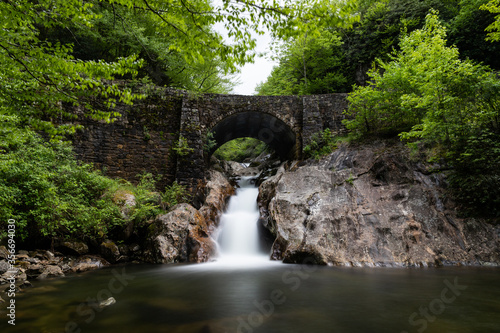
[
  {"x": 181, "y": 147},
  {"x": 475, "y": 182},
  {"x": 147, "y": 200},
  {"x": 51, "y": 195},
  {"x": 241, "y": 149},
  {"x": 467, "y": 32},
  {"x": 36, "y": 76},
  {"x": 493, "y": 6},
  {"x": 210, "y": 142},
  {"x": 308, "y": 65},
  {"x": 374, "y": 35},
  {"x": 427, "y": 93},
  {"x": 41, "y": 70},
  {"x": 47, "y": 192},
  {"x": 118, "y": 32},
  {"x": 173, "y": 195},
  {"x": 321, "y": 144}
]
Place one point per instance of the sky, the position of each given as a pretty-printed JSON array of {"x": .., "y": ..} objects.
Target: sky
[
  {"x": 253, "y": 74},
  {"x": 257, "y": 72}
]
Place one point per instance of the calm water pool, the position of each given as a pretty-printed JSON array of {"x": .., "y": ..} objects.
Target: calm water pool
[{"x": 273, "y": 297}]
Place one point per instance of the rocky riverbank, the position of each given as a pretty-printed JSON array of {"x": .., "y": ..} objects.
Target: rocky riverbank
[
  {"x": 42, "y": 264},
  {"x": 371, "y": 205},
  {"x": 181, "y": 235},
  {"x": 362, "y": 205}
]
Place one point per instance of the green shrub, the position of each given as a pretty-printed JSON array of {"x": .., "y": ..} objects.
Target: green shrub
[
  {"x": 430, "y": 97},
  {"x": 322, "y": 143},
  {"x": 241, "y": 149},
  {"x": 182, "y": 148},
  {"x": 173, "y": 195},
  {"x": 48, "y": 192},
  {"x": 475, "y": 179},
  {"x": 52, "y": 195}
]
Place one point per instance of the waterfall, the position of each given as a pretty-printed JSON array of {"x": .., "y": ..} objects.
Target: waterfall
[{"x": 238, "y": 237}]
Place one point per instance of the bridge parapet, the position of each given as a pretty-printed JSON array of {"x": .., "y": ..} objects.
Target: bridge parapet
[{"x": 144, "y": 138}]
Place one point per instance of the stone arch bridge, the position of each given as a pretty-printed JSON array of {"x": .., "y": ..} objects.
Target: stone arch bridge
[{"x": 144, "y": 138}]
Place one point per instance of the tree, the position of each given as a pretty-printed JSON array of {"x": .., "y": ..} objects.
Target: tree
[
  {"x": 118, "y": 32},
  {"x": 307, "y": 65},
  {"x": 467, "y": 32},
  {"x": 427, "y": 94},
  {"x": 37, "y": 74},
  {"x": 494, "y": 28}
]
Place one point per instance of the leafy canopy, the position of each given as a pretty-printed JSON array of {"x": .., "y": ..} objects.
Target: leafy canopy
[
  {"x": 426, "y": 94},
  {"x": 494, "y": 28},
  {"x": 307, "y": 65},
  {"x": 38, "y": 74}
]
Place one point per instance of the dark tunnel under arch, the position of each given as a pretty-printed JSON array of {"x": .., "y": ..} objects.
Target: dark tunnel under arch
[{"x": 262, "y": 126}]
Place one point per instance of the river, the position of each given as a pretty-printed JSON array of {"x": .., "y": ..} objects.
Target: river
[{"x": 244, "y": 292}]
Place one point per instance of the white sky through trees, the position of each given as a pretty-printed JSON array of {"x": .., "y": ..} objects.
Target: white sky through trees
[{"x": 252, "y": 73}]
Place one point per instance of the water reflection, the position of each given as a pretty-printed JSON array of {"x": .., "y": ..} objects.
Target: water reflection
[
  {"x": 276, "y": 298},
  {"x": 250, "y": 294}
]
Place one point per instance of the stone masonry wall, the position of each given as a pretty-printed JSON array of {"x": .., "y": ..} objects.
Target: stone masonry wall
[{"x": 141, "y": 140}]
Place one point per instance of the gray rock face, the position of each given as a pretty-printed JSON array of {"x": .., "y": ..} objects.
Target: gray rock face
[
  {"x": 370, "y": 206},
  {"x": 180, "y": 236},
  {"x": 183, "y": 234},
  {"x": 219, "y": 189}
]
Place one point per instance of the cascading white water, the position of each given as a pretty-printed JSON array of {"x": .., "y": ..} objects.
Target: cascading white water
[{"x": 238, "y": 236}]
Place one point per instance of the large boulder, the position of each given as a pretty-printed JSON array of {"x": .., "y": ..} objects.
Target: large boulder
[
  {"x": 85, "y": 263},
  {"x": 179, "y": 236},
  {"x": 110, "y": 252},
  {"x": 73, "y": 248},
  {"x": 370, "y": 206},
  {"x": 218, "y": 189}
]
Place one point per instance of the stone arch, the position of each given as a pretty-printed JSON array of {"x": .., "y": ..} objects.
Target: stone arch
[{"x": 262, "y": 126}]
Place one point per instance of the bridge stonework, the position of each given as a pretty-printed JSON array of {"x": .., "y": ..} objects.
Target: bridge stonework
[{"x": 144, "y": 138}]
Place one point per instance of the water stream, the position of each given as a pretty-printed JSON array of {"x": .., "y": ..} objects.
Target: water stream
[
  {"x": 244, "y": 292},
  {"x": 238, "y": 237}
]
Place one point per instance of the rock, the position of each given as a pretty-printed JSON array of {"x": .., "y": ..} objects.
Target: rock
[
  {"x": 110, "y": 301},
  {"x": 74, "y": 248},
  {"x": 179, "y": 236},
  {"x": 369, "y": 206},
  {"x": 22, "y": 256},
  {"x": 4, "y": 266},
  {"x": 126, "y": 201},
  {"x": 87, "y": 263},
  {"x": 50, "y": 271},
  {"x": 49, "y": 255},
  {"x": 249, "y": 172},
  {"x": 21, "y": 275},
  {"x": 219, "y": 190},
  {"x": 134, "y": 248},
  {"x": 34, "y": 270},
  {"x": 25, "y": 284},
  {"x": 110, "y": 251},
  {"x": 123, "y": 249},
  {"x": 232, "y": 168},
  {"x": 4, "y": 253}
]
